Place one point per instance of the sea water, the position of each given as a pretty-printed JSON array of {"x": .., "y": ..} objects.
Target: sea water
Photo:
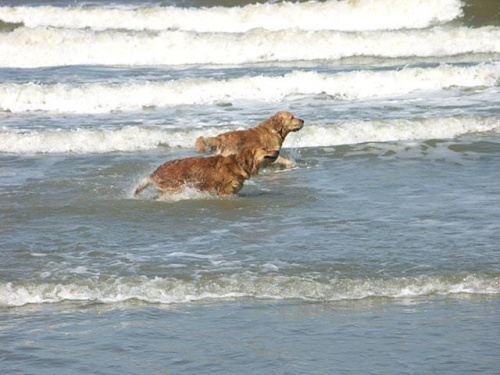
[{"x": 377, "y": 254}]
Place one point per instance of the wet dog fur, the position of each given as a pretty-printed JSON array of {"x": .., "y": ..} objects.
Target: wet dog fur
[
  {"x": 220, "y": 175},
  {"x": 269, "y": 134}
]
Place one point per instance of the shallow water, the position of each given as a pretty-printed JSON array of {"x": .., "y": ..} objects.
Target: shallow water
[
  {"x": 344, "y": 337},
  {"x": 378, "y": 253}
]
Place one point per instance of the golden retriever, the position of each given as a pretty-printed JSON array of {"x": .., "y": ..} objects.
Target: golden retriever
[
  {"x": 269, "y": 134},
  {"x": 219, "y": 175}
]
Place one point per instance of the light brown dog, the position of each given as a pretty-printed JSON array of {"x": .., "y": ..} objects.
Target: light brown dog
[
  {"x": 269, "y": 134},
  {"x": 219, "y": 175}
]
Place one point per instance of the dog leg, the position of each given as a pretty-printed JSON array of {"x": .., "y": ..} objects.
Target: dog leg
[{"x": 284, "y": 163}]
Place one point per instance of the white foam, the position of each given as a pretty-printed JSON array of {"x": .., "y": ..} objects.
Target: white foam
[
  {"x": 39, "y": 47},
  {"x": 102, "y": 97},
  {"x": 246, "y": 285},
  {"x": 353, "y": 132},
  {"x": 135, "y": 138},
  {"x": 311, "y": 15},
  {"x": 188, "y": 193},
  {"x": 127, "y": 139}
]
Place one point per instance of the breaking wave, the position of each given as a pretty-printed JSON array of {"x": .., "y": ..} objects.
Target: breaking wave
[
  {"x": 106, "y": 97},
  {"x": 312, "y": 15},
  {"x": 134, "y": 138},
  {"x": 48, "y": 46},
  {"x": 246, "y": 285}
]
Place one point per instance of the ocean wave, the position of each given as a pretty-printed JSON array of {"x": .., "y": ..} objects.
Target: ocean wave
[
  {"x": 134, "y": 138},
  {"x": 245, "y": 286},
  {"x": 354, "y": 132},
  {"x": 47, "y": 46},
  {"x": 128, "y": 139},
  {"x": 105, "y": 97},
  {"x": 312, "y": 15}
]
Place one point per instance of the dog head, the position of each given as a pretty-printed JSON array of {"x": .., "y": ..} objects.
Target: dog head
[
  {"x": 286, "y": 122},
  {"x": 251, "y": 159}
]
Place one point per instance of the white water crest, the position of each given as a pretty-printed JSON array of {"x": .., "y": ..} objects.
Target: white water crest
[
  {"x": 48, "y": 46},
  {"x": 238, "y": 286},
  {"x": 128, "y": 139},
  {"x": 312, "y": 15},
  {"x": 134, "y": 138},
  {"x": 106, "y": 97},
  {"x": 353, "y": 132}
]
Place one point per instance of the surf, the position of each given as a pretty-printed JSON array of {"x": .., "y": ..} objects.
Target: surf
[
  {"x": 311, "y": 15},
  {"x": 28, "y": 47},
  {"x": 237, "y": 286},
  {"x": 354, "y": 85},
  {"x": 136, "y": 138}
]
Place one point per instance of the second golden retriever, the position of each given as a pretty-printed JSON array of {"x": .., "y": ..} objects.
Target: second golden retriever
[
  {"x": 269, "y": 134},
  {"x": 219, "y": 175}
]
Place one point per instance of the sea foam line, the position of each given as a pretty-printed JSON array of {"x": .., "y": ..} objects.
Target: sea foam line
[
  {"x": 354, "y": 132},
  {"x": 237, "y": 286},
  {"x": 105, "y": 97},
  {"x": 134, "y": 138},
  {"x": 312, "y": 15},
  {"x": 40, "y": 47}
]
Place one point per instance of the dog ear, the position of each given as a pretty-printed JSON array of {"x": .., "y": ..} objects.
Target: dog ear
[
  {"x": 247, "y": 160},
  {"x": 277, "y": 122}
]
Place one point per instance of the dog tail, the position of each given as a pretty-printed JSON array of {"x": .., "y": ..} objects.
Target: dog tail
[
  {"x": 143, "y": 185},
  {"x": 200, "y": 144}
]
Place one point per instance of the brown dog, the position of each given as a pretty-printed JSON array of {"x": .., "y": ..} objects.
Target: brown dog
[
  {"x": 269, "y": 134},
  {"x": 220, "y": 175}
]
